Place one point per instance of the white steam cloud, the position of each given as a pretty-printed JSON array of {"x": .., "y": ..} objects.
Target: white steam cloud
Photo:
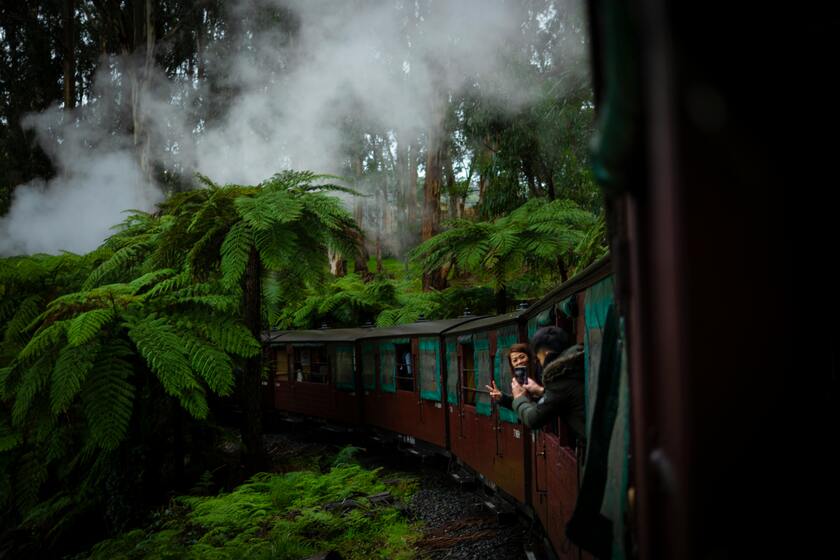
[{"x": 386, "y": 63}]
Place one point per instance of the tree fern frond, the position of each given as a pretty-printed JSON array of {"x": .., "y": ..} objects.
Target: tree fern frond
[
  {"x": 87, "y": 325},
  {"x": 212, "y": 365},
  {"x": 268, "y": 208},
  {"x": 9, "y": 438},
  {"x": 161, "y": 347},
  {"x": 151, "y": 278},
  {"x": 277, "y": 246},
  {"x": 169, "y": 285},
  {"x": 27, "y": 311},
  {"x": 43, "y": 340},
  {"x": 120, "y": 261},
  {"x": 32, "y": 381},
  {"x": 231, "y": 337},
  {"x": 108, "y": 397},
  {"x": 195, "y": 403},
  {"x": 69, "y": 373},
  {"x": 222, "y": 304},
  {"x": 30, "y": 476},
  {"x": 235, "y": 251}
]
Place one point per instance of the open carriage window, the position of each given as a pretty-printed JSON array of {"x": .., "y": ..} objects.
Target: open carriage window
[
  {"x": 281, "y": 365},
  {"x": 311, "y": 364},
  {"x": 468, "y": 374},
  {"x": 405, "y": 367}
]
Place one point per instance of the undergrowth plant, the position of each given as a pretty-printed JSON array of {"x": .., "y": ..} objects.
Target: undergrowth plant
[{"x": 288, "y": 516}]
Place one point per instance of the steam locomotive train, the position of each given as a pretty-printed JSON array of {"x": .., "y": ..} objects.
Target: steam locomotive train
[{"x": 424, "y": 384}]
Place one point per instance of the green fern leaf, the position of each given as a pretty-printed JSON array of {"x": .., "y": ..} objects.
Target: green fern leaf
[
  {"x": 235, "y": 251},
  {"x": 87, "y": 325},
  {"x": 108, "y": 397},
  {"x": 33, "y": 380},
  {"x": 151, "y": 278},
  {"x": 231, "y": 337},
  {"x": 45, "y": 339},
  {"x": 70, "y": 370},
  {"x": 9, "y": 438},
  {"x": 26, "y": 312},
  {"x": 195, "y": 403},
  {"x": 159, "y": 344},
  {"x": 212, "y": 365},
  {"x": 120, "y": 262}
]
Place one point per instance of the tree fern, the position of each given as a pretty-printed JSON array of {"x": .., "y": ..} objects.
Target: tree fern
[
  {"x": 231, "y": 337},
  {"x": 122, "y": 260},
  {"x": 85, "y": 326},
  {"x": 211, "y": 364},
  {"x": 72, "y": 366},
  {"x": 235, "y": 252},
  {"x": 30, "y": 476},
  {"x": 9, "y": 437},
  {"x": 152, "y": 278},
  {"x": 108, "y": 396},
  {"x": 163, "y": 351},
  {"x": 33, "y": 379},
  {"x": 44, "y": 339},
  {"x": 26, "y": 312}
]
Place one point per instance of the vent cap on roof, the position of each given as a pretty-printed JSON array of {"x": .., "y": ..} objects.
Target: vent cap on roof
[
  {"x": 467, "y": 312},
  {"x": 523, "y": 305},
  {"x": 324, "y": 325},
  {"x": 421, "y": 318}
]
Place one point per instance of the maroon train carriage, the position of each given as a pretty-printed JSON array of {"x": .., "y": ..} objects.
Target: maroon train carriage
[
  {"x": 487, "y": 438},
  {"x": 395, "y": 380},
  {"x": 403, "y": 379},
  {"x": 314, "y": 373}
]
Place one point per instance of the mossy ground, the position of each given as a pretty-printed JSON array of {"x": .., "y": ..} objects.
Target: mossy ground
[{"x": 280, "y": 516}]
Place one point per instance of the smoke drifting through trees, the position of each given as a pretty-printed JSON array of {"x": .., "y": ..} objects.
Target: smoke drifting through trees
[{"x": 357, "y": 88}]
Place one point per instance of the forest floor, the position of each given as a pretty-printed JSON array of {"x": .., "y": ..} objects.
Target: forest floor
[{"x": 327, "y": 499}]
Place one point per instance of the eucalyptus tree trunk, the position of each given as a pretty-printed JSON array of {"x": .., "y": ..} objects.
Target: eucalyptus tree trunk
[
  {"x": 432, "y": 186},
  {"x": 362, "y": 256},
  {"x": 411, "y": 186},
  {"x": 450, "y": 187},
  {"x": 144, "y": 38},
  {"x": 68, "y": 62},
  {"x": 338, "y": 264},
  {"x": 250, "y": 382},
  {"x": 431, "y": 193},
  {"x": 381, "y": 204}
]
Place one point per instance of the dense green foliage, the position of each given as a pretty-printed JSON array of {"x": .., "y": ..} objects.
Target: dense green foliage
[
  {"x": 279, "y": 517},
  {"x": 155, "y": 314},
  {"x": 536, "y": 242}
]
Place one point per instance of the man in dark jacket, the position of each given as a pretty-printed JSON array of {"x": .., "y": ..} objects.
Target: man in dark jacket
[{"x": 562, "y": 377}]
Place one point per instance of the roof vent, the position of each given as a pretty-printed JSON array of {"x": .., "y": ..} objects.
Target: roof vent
[
  {"x": 523, "y": 305},
  {"x": 467, "y": 312},
  {"x": 421, "y": 318},
  {"x": 368, "y": 324},
  {"x": 324, "y": 325}
]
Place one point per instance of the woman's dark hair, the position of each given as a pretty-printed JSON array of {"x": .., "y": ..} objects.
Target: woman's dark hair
[
  {"x": 520, "y": 347},
  {"x": 553, "y": 339}
]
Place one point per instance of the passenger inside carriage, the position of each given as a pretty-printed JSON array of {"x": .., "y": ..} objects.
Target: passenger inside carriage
[
  {"x": 405, "y": 371},
  {"x": 519, "y": 356},
  {"x": 562, "y": 376}
]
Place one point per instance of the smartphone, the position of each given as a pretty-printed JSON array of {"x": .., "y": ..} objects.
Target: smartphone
[{"x": 521, "y": 374}]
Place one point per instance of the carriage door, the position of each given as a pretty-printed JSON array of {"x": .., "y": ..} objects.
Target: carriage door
[
  {"x": 281, "y": 374},
  {"x": 492, "y": 340},
  {"x": 429, "y": 360}
]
